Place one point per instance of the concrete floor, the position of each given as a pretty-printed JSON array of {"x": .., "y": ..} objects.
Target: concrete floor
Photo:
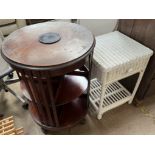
[{"x": 124, "y": 120}]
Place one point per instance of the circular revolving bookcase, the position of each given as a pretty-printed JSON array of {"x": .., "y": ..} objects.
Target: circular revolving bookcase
[{"x": 50, "y": 60}]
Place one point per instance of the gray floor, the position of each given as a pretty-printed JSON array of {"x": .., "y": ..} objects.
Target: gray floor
[{"x": 126, "y": 119}]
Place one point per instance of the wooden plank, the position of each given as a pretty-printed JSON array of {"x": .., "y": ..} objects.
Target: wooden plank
[
  {"x": 7, "y": 127},
  {"x": 19, "y": 131}
]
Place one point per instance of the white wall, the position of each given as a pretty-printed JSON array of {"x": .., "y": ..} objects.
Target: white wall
[{"x": 99, "y": 26}]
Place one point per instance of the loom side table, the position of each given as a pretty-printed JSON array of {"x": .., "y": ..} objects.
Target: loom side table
[
  {"x": 116, "y": 56},
  {"x": 50, "y": 61}
]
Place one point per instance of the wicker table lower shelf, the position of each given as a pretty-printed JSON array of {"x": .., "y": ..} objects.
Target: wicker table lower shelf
[{"x": 115, "y": 95}]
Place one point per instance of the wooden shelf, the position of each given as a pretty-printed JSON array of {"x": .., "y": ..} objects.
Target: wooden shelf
[
  {"x": 71, "y": 87},
  {"x": 68, "y": 114},
  {"x": 71, "y": 102},
  {"x": 71, "y": 113}
]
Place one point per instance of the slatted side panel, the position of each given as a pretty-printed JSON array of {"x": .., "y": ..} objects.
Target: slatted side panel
[
  {"x": 52, "y": 100},
  {"x": 27, "y": 79},
  {"x": 39, "y": 86}
]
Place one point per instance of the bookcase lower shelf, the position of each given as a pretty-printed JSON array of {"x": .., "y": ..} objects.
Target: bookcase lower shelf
[
  {"x": 68, "y": 114},
  {"x": 115, "y": 95}
]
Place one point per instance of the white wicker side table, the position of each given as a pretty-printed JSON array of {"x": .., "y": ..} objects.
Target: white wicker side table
[{"x": 116, "y": 56}]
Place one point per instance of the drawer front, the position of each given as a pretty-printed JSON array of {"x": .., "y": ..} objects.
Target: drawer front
[
  {"x": 126, "y": 70},
  {"x": 119, "y": 72}
]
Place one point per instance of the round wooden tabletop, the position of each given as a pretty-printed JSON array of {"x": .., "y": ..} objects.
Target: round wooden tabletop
[{"x": 23, "y": 46}]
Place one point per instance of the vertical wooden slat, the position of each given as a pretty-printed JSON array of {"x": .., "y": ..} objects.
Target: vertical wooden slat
[
  {"x": 27, "y": 86},
  {"x": 89, "y": 76},
  {"x": 46, "y": 104},
  {"x": 31, "y": 94},
  {"x": 38, "y": 100},
  {"x": 58, "y": 89},
  {"x": 52, "y": 99}
]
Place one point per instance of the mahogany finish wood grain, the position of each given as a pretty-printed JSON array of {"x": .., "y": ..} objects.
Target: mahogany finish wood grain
[
  {"x": 55, "y": 76},
  {"x": 70, "y": 87},
  {"x": 23, "y": 45}
]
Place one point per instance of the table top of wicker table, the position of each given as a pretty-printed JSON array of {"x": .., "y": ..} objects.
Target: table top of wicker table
[
  {"x": 25, "y": 46},
  {"x": 114, "y": 49}
]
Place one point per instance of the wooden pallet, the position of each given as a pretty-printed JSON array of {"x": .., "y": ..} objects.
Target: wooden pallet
[{"x": 7, "y": 127}]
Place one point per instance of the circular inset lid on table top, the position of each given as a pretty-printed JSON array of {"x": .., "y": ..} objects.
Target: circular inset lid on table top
[
  {"x": 23, "y": 46},
  {"x": 49, "y": 38}
]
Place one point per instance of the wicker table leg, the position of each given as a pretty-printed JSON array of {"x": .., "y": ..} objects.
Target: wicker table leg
[
  {"x": 136, "y": 86},
  {"x": 103, "y": 90}
]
